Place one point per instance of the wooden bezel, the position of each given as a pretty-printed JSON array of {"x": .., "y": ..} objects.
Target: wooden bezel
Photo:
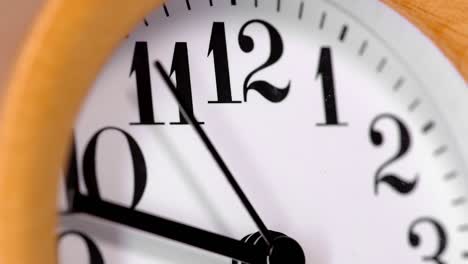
[{"x": 64, "y": 52}]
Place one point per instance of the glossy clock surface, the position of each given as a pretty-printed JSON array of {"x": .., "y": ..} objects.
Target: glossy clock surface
[{"x": 326, "y": 113}]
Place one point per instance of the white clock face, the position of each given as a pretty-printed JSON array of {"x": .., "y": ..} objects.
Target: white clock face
[{"x": 323, "y": 124}]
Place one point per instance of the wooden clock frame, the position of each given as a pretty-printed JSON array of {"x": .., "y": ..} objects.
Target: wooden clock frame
[{"x": 51, "y": 77}]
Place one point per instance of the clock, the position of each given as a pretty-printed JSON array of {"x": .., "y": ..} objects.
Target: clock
[{"x": 237, "y": 132}]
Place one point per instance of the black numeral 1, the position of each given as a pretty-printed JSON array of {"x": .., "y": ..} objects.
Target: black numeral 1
[
  {"x": 141, "y": 69},
  {"x": 180, "y": 66},
  {"x": 325, "y": 71},
  {"x": 218, "y": 48}
]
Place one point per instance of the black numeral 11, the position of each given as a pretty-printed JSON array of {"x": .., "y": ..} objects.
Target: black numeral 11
[
  {"x": 180, "y": 66},
  {"x": 141, "y": 69},
  {"x": 325, "y": 71}
]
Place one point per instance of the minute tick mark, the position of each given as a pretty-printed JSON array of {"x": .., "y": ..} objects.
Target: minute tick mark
[
  {"x": 450, "y": 175},
  {"x": 440, "y": 150},
  {"x": 459, "y": 201},
  {"x": 344, "y": 31},
  {"x": 428, "y": 127},
  {"x": 414, "y": 104},
  {"x": 381, "y": 65},
  {"x": 398, "y": 84},
  {"x": 463, "y": 228},
  {"x": 166, "y": 11},
  {"x": 301, "y": 10},
  {"x": 363, "y": 48},
  {"x": 323, "y": 18}
]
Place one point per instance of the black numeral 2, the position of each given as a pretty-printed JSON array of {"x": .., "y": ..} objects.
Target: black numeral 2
[{"x": 393, "y": 180}]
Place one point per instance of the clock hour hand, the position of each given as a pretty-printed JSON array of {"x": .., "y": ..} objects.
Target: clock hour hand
[
  {"x": 189, "y": 235},
  {"x": 214, "y": 153}
]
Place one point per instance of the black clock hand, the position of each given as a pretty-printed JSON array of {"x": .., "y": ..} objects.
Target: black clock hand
[
  {"x": 219, "y": 161},
  {"x": 192, "y": 236}
]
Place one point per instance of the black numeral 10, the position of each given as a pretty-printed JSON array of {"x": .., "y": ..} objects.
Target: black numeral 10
[{"x": 89, "y": 173}]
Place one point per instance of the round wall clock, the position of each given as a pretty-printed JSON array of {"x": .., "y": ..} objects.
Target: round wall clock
[{"x": 212, "y": 131}]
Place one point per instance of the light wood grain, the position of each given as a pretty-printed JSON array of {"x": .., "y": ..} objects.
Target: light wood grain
[
  {"x": 15, "y": 22},
  {"x": 57, "y": 65},
  {"x": 61, "y": 58},
  {"x": 444, "y": 21}
]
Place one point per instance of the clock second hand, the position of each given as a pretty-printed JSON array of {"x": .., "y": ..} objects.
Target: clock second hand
[{"x": 219, "y": 161}]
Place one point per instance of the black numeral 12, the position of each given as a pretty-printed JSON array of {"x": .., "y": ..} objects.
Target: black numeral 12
[
  {"x": 325, "y": 72},
  {"x": 218, "y": 48}
]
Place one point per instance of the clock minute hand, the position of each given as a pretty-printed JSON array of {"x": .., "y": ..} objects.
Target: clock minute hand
[
  {"x": 192, "y": 236},
  {"x": 214, "y": 153}
]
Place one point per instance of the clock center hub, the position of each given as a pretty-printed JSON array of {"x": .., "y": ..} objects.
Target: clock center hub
[
  {"x": 283, "y": 249},
  {"x": 286, "y": 250}
]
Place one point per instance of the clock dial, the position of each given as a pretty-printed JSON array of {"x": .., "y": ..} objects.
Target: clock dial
[{"x": 218, "y": 120}]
